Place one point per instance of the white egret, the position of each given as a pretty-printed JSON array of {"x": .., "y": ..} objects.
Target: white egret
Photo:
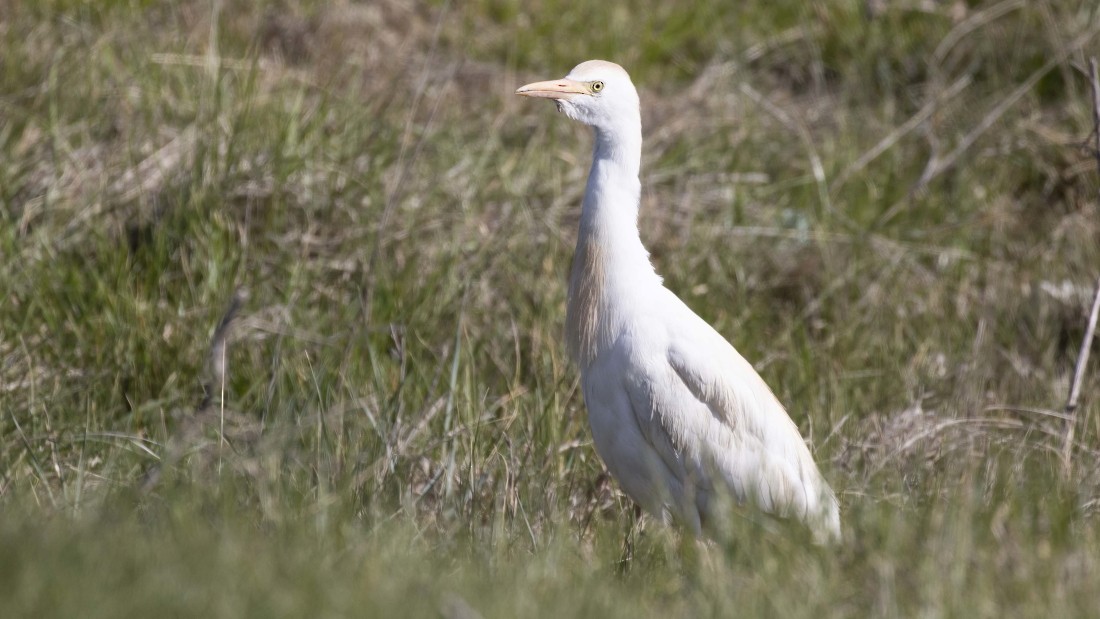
[{"x": 678, "y": 416}]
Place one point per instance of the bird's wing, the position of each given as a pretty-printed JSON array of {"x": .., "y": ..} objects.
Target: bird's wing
[
  {"x": 706, "y": 411},
  {"x": 643, "y": 460}
]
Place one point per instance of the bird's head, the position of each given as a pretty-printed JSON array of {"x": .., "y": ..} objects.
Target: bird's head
[{"x": 596, "y": 92}]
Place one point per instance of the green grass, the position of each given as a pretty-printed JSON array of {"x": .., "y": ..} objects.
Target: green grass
[{"x": 391, "y": 425}]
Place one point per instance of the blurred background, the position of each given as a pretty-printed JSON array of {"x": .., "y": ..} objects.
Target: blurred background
[{"x": 282, "y": 291}]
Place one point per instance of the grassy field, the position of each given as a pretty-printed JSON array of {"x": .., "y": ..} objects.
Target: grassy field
[{"x": 282, "y": 293}]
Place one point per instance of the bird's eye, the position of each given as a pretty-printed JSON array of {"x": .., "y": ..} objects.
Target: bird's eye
[{"x": 597, "y": 86}]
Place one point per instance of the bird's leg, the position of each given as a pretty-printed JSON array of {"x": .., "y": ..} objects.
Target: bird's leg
[
  {"x": 628, "y": 540},
  {"x": 689, "y": 554}
]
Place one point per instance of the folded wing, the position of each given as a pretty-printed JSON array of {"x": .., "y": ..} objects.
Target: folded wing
[{"x": 712, "y": 419}]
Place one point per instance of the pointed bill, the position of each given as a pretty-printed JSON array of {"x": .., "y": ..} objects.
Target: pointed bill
[{"x": 562, "y": 89}]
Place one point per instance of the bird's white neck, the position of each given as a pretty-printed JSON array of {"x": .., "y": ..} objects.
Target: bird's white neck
[
  {"x": 613, "y": 193},
  {"x": 611, "y": 269},
  {"x": 622, "y": 145}
]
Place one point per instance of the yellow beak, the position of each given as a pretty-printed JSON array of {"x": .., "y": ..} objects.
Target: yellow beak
[{"x": 554, "y": 89}]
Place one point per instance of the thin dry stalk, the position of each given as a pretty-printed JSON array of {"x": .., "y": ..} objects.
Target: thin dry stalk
[
  {"x": 799, "y": 129},
  {"x": 938, "y": 165},
  {"x": 1090, "y": 330},
  {"x": 1095, "y": 110},
  {"x": 1079, "y": 375},
  {"x": 901, "y": 131},
  {"x": 150, "y": 176},
  {"x": 218, "y": 346},
  {"x": 976, "y": 21}
]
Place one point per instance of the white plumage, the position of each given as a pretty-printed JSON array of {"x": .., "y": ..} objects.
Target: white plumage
[{"x": 677, "y": 415}]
